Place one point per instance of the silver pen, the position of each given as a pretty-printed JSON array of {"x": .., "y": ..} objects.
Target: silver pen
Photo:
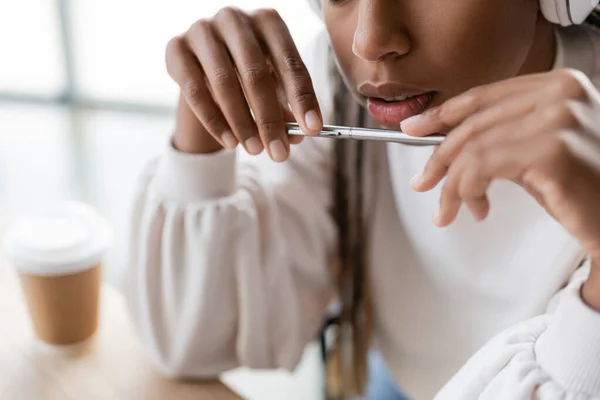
[{"x": 382, "y": 135}]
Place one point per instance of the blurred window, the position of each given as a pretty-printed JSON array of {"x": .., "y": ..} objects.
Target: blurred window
[{"x": 109, "y": 51}]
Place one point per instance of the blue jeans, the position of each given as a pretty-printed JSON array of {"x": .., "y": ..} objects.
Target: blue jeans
[{"x": 381, "y": 385}]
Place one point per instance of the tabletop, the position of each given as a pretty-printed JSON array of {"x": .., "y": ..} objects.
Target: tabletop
[{"x": 110, "y": 366}]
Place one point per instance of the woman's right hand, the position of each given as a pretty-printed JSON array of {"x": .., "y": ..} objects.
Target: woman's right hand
[{"x": 233, "y": 66}]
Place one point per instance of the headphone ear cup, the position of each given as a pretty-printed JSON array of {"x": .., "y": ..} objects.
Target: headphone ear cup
[
  {"x": 579, "y": 10},
  {"x": 549, "y": 11},
  {"x": 567, "y": 12},
  {"x": 556, "y": 11}
]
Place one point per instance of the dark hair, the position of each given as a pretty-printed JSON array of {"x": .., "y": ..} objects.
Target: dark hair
[
  {"x": 594, "y": 18},
  {"x": 355, "y": 320},
  {"x": 347, "y": 365}
]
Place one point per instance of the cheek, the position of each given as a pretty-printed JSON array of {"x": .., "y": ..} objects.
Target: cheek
[{"x": 481, "y": 44}]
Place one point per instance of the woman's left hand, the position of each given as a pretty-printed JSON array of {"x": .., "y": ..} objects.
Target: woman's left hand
[{"x": 541, "y": 131}]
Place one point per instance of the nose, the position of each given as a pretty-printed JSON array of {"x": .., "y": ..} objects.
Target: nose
[{"x": 379, "y": 33}]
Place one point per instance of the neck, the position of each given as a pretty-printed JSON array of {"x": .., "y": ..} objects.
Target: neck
[{"x": 543, "y": 50}]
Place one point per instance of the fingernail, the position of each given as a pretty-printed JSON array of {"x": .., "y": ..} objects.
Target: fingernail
[
  {"x": 417, "y": 180},
  {"x": 229, "y": 140},
  {"x": 278, "y": 150},
  {"x": 312, "y": 120},
  {"x": 254, "y": 146},
  {"x": 411, "y": 122}
]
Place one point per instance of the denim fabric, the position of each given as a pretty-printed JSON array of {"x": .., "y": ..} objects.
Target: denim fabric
[{"x": 381, "y": 385}]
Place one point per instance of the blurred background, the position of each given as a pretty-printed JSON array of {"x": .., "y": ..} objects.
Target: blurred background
[{"x": 85, "y": 103}]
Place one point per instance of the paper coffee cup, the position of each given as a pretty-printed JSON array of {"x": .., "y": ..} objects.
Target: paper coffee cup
[{"x": 58, "y": 255}]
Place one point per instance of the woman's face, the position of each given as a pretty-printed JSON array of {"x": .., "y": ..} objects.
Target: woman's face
[{"x": 432, "y": 49}]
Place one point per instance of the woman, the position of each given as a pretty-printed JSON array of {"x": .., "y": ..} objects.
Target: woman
[{"x": 234, "y": 263}]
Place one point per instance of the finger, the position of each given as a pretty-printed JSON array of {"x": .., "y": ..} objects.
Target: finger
[
  {"x": 294, "y": 75},
  {"x": 543, "y": 123},
  {"x": 296, "y": 139},
  {"x": 288, "y": 116},
  {"x": 511, "y": 119},
  {"x": 250, "y": 61},
  {"x": 511, "y": 109},
  {"x": 183, "y": 67},
  {"x": 450, "y": 201},
  {"x": 472, "y": 190},
  {"x": 445, "y": 117},
  {"x": 222, "y": 77},
  {"x": 467, "y": 182},
  {"x": 477, "y": 167},
  {"x": 450, "y": 204},
  {"x": 507, "y": 151}
]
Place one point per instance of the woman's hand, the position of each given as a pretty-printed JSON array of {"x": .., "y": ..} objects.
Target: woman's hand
[
  {"x": 541, "y": 131},
  {"x": 231, "y": 67}
]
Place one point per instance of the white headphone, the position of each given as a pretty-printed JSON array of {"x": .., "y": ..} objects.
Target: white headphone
[
  {"x": 567, "y": 12},
  {"x": 563, "y": 12}
]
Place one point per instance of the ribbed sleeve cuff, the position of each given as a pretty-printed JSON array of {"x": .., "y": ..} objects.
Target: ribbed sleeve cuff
[
  {"x": 196, "y": 177},
  {"x": 569, "y": 350}
]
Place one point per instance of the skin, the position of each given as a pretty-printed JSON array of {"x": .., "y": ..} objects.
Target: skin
[
  {"x": 507, "y": 116},
  {"x": 415, "y": 42}
]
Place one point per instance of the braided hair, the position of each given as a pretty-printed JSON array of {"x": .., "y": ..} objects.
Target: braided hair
[{"x": 354, "y": 322}]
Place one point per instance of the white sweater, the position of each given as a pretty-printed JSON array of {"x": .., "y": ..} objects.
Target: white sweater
[{"x": 230, "y": 266}]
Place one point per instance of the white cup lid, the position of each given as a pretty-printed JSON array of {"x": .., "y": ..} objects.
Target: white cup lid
[{"x": 65, "y": 239}]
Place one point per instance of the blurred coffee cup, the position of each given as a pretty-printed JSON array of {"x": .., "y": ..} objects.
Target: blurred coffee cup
[{"x": 58, "y": 255}]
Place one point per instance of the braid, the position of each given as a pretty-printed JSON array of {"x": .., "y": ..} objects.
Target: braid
[{"x": 352, "y": 342}]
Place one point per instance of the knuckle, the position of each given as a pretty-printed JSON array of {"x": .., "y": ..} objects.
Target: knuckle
[
  {"x": 294, "y": 67},
  {"x": 304, "y": 97},
  {"x": 468, "y": 100},
  {"x": 174, "y": 46},
  {"x": 228, "y": 13},
  {"x": 293, "y": 64},
  {"x": 447, "y": 153},
  {"x": 465, "y": 191},
  {"x": 201, "y": 27},
  {"x": 555, "y": 187},
  {"x": 440, "y": 113},
  {"x": 173, "y": 51},
  {"x": 471, "y": 127},
  {"x": 213, "y": 123},
  {"x": 561, "y": 116},
  {"x": 244, "y": 129},
  {"x": 192, "y": 91},
  {"x": 475, "y": 156},
  {"x": 270, "y": 127},
  {"x": 472, "y": 97},
  {"x": 441, "y": 157},
  {"x": 569, "y": 83},
  {"x": 223, "y": 79},
  {"x": 255, "y": 73},
  {"x": 267, "y": 14}
]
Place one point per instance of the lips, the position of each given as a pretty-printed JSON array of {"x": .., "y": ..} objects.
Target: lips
[
  {"x": 391, "y": 103},
  {"x": 391, "y": 114}
]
